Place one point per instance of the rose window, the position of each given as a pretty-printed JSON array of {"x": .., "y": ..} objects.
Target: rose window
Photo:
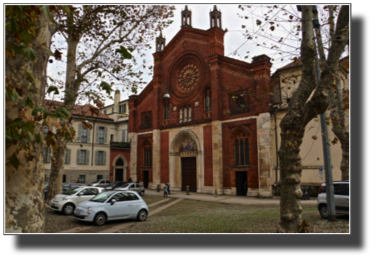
[{"x": 188, "y": 77}]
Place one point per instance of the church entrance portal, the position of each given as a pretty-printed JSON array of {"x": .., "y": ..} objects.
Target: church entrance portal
[
  {"x": 119, "y": 175},
  {"x": 189, "y": 173},
  {"x": 241, "y": 179},
  {"x": 145, "y": 179}
]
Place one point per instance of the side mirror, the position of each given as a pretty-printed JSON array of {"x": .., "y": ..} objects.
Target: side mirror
[
  {"x": 81, "y": 194},
  {"x": 113, "y": 201}
]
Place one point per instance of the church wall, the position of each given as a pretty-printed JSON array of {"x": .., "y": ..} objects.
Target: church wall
[
  {"x": 141, "y": 140},
  {"x": 208, "y": 154},
  {"x": 164, "y": 157},
  {"x": 113, "y": 154}
]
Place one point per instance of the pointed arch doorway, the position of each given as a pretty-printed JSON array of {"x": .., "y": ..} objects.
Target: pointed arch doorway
[{"x": 120, "y": 168}]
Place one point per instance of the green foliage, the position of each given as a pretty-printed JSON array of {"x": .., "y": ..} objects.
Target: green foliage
[
  {"x": 106, "y": 87},
  {"x": 124, "y": 53},
  {"x": 53, "y": 89}
]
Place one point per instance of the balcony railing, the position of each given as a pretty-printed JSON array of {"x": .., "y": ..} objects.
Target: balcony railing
[{"x": 120, "y": 144}]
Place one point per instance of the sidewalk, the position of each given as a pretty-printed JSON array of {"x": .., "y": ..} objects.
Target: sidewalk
[{"x": 224, "y": 198}]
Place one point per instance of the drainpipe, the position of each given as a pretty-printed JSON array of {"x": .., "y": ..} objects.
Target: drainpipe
[
  {"x": 275, "y": 129},
  {"x": 93, "y": 140}
]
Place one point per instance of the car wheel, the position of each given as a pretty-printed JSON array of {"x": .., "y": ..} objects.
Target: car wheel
[
  {"x": 323, "y": 211},
  {"x": 142, "y": 193},
  {"x": 142, "y": 215},
  {"x": 100, "y": 219},
  {"x": 68, "y": 209}
]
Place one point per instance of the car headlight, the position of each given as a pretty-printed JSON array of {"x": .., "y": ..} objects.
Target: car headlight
[
  {"x": 65, "y": 198},
  {"x": 88, "y": 209}
]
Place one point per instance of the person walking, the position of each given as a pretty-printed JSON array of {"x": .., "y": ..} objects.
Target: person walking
[
  {"x": 165, "y": 189},
  {"x": 169, "y": 192}
]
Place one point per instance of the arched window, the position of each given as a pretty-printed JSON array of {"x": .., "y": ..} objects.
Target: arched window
[
  {"x": 241, "y": 149},
  {"x": 119, "y": 162},
  {"x": 236, "y": 152}
]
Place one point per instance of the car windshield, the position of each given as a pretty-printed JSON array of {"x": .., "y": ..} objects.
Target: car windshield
[
  {"x": 124, "y": 185},
  {"x": 94, "y": 182},
  {"x": 102, "y": 197},
  {"x": 72, "y": 190},
  {"x": 119, "y": 184}
]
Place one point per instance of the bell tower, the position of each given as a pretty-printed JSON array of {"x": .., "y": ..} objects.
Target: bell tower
[
  {"x": 186, "y": 17},
  {"x": 160, "y": 43},
  {"x": 215, "y": 18}
]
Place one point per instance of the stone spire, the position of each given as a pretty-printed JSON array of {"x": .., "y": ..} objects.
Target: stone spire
[
  {"x": 186, "y": 17},
  {"x": 215, "y": 18},
  {"x": 160, "y": 42}
]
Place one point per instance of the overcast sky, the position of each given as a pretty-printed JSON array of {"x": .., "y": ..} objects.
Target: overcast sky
[{"x": 233, "y": 40}]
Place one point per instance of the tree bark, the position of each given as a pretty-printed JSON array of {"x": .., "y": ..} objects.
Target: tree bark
[
  {"x": 302, "y": 109},
  {"x": 24, "y": 212}
]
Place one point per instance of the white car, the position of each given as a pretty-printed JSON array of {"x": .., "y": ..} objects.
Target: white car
[
  {"x": 67, "y": 201},
  {"x": 341, "y": 197},
  {"x": 112, "y": 205},
  {"x": 131, "y": 186}
]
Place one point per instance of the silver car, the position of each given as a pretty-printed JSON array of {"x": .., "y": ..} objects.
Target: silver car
[
  {"x": 131, "y": 187},
  {"x": 112, "y": 205},
  {"x": 101, "y": 183},
  {"x": 67, "y": 201},
  {"x": 341, "y": 193}
]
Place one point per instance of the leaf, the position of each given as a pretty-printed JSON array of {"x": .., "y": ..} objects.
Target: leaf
[
  {"x": 272, "y": 28},
  {"x": 38, "y": 138},
  {"x": 25, "y": 36},
  {"x": 29, "y": 102},
  {"x": 29, "y": 53},
  {"x": 314, "y": 137},
  {"x": 124, "y": 53},
  {"x": 258, "y": 22},
  {"x": 14, "y": 160},
  {"x": 58, "y": 55},
  {"x": 53, "y": 89},
  {"x": 106, "y": 87}
]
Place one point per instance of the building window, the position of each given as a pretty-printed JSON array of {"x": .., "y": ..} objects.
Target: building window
[
  {"x": 146, "y": 122},
  {"x": 111, "y": 137},
  {"x": 112, "y": 109},
  {"x": 67, "y": 156},
  {"x": 242, "y": 150},
  {"x": 100, "y": 157},
  {"x": 122, "y": 109},
  {"x": 166, "y": 111},
  {"x": 82, "y": 157},
  {"x": 84, "y": 134},
  {"x": 64, "y": 180},
  {"x": 46, "y": 155},
  {"x": 104, "y": 112},
  {"x": 101, "y": 135},
  {"x": 82, "y": 178},
  {"x": 208, "y": 102},
  {"x": 99, "y": 177},
  {"x": 147, "y": 154}
]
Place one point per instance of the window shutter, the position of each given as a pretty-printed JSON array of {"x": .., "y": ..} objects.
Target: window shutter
[
  {"x": 79, "y": 132},
  {"x": 96, "y": 157},
  {"x": 87, "y": 161},
  {"x": 123, "y": 135},
  {"x": 104, "y": 158},
  {"x": 78, "y": 156},
  {"x": 68, "y": 155},
  {"x": 97, "y": 134},
  {"x": 49, "y": 156},
  {"x": 88, "y": 135},
  {"x": 105, "y": 135},
  {"x": 236, "y": 152},
  {"x": 247, "y": 152}
]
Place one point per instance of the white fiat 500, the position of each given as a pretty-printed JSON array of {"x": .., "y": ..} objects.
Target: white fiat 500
[
  {"x": 112, "y": 205},
  {"x": 67, "y": 201}
]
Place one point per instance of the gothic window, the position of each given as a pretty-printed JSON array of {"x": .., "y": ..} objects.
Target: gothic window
[
  {"x": 208, "y": 101},
  {"x": 146, "y": 120},
  {"x": 166, "y": 111},
  {"x": 147, "y": 154},
  {"x": 241, "y": 149},
  {"x": 119, "y": 162}
]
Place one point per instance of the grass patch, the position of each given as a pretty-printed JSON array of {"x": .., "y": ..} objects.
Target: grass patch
[{"x": 190, "y": 216}]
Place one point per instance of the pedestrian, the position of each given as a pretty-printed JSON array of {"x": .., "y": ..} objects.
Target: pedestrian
[
  {"x": 165, "y": 189},
  {"x": 78, "y": 180},
  {"x": 130, "y": 180},
  {"x": 169, "y": 192}
]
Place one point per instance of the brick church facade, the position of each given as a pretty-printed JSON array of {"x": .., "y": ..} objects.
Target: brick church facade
[{"x": 203, "y": 120}]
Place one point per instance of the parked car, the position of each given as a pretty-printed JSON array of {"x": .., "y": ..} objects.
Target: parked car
[
  {"x": 112, "y": 205},
  {"x": 65, "y": 186},
  {"x": 68, "y": 186},
  {"x": 341, "y": 193},
  {"x": 116, "y": 185},
  {"x": 67, "y": 201},
  {"x": 133, "y": 187},
  {"x": 101, "y": 183}
]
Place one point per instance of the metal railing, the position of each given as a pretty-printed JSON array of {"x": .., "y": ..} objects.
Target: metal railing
[{"x": 120, "y": 144}]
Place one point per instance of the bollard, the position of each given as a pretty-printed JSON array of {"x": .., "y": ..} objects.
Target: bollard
[
  {"x": 158, "y": 188},
  {"x": 187, "y": 190}
]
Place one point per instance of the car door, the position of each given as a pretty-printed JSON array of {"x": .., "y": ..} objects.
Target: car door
[
  {"x": 131, "y": 187},
  {"x": 344, "y": 198},
  {"x": 134, "y": 203},
  {"x": 88, "y": 193},
  {"x": 118, "y": 209}
]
